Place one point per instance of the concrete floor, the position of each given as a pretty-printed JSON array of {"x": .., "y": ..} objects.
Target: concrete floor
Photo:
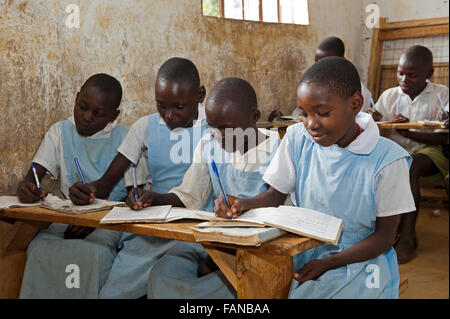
[{"x": 428, "y": 273}]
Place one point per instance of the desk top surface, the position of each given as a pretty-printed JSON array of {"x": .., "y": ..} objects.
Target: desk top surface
[
  {"x": 179, "y": 230},
  {"x": 284, "y": 122},
  {"x": 408, "y": 125}
]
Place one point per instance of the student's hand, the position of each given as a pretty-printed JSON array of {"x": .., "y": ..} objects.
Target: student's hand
[
  {"x": 311, "y": 271},
  {"x": 145, "y": 199},
  {"x": 82, "y": 194},
  {"x": 221, "y": 209},
  {"x": 29, "y": 193},
  {"x": 77, "y": 232},
  {"x": 377, "y": 116}
]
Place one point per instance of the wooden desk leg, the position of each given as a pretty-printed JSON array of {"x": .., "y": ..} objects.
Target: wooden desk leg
[
  {"x": 225, "y": 260},
  {"x": 14, "y": 240},
  {"x": 263, "y": 276}
]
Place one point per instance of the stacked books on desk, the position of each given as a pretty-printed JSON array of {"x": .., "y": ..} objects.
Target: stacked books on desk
[{"x": 251, "y": 228}]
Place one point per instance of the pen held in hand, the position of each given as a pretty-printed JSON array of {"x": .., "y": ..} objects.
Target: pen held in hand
[
  {"x": 220, "y": 184},
  {"x": 135, "y": 189},
  {"x": 372, "y": 102},
  {"x": 80, "y": 173},
  {"x": 441, "y": 102},
  {"x": 36, "y": 178}
]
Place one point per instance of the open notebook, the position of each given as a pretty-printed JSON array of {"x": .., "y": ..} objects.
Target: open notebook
[
  {"x": 10, "y": 201},
  {"x": 297, "y": 220},
  {"x": 66, "y": 205},
  {"x": 153, "y": 214}
]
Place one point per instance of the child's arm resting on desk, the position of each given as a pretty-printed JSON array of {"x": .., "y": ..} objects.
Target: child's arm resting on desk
[
  {"x": 28, "y": 191},
  {"x": 374, "y": 245}
]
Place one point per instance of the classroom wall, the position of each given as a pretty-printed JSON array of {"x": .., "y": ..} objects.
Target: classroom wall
[
  {"x": 398, "y": 10},
  {"x": 43, "y": 63}
]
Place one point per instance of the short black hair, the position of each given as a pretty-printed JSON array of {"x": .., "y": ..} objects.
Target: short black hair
[
  {"x": 333, "y": 45},
  {"x": 420, "y": 54},
  {"x": 179, "y": 69},
  {"x": 106, "y": 84},
  {"x": 237, "y": 91},
  {"x": 337, "y": 74}
]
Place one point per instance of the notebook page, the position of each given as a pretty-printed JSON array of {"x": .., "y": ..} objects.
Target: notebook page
[
  {"x": 126, "y": 214},
  {"x": 13, "y": 201},
  {"x": 309, "y": 222}
]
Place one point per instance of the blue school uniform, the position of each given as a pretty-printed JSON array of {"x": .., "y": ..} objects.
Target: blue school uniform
[
  {"x": 175, "y": 275},
  {"x": 338, "y": 182},
  {"x": 49, "y": 253},
  {"x": 137, "y": 254}
]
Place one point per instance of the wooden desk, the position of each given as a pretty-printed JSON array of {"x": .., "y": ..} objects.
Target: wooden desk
[
  {"x": 255, "y": 272},
  {"x": 407, "y": 126},
  {"x": 281, "y": 124}
]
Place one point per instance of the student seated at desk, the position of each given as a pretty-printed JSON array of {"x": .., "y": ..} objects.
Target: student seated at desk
[
  {"x": 333, "y": 46},
  {"x": 92, "y": 136},
  {"x": 178, "y": 93},
  {"x": 241, "y": 153},
  {"x": 336, "y": 162},
  {"x": 417, "y": 99}
]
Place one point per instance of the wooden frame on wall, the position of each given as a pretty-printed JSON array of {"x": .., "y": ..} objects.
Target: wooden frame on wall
[{"x": 394, "y": 31}]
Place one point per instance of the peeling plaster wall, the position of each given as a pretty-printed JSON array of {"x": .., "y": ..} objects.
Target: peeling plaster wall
[
  {"x": 398, "y": 10},
  {"x": 43, "y": 63}
]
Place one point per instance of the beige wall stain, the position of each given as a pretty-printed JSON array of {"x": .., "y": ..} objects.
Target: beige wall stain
[{"x": 43, "y": 63}]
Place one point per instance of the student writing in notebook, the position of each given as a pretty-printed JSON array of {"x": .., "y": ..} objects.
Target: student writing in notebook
[
  {"x": 178, "y": 93},
  {"x": 92, "y": 136},
  {"x": 241, "y": 153},
  {"x": 417, "y": 99},
  {"x": 335, "y": 162}
]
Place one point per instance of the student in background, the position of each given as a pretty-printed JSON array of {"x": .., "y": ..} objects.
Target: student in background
[
  {"x": 178, "y": 93},
  {"x": 241, "y": 153},
  {"x": 92, "y": 136},
  {"x": 417, "y": 99},
  {"x": 333, "y": 46},
  {"x": 336, "y": 162}
]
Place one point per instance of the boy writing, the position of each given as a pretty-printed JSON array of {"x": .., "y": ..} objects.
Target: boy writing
[
  {"x": 178, "y": 93},
  {"x": 241, "y": 153},
  {"x": 93, "y": 136},
  {"x": 417, "y": 99}
]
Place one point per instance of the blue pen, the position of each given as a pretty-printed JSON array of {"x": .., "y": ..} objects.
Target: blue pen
[
  {"x": 372, "y": 102},
  {"x": 77, "y": 164},
  {"x": 134, "y": 182},
  {"x": 442, "y": 103},
  {"x": 37, "y": 180},
  {"x": 220, "y": 184}
]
